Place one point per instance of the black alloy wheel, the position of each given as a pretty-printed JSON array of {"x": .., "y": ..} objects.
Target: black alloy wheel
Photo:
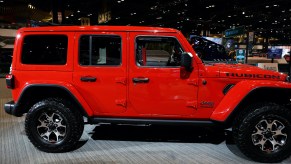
[{"x": 52, "y": 125}]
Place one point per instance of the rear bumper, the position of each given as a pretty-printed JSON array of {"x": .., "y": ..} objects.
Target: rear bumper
[{"x": 10, "y": 108}]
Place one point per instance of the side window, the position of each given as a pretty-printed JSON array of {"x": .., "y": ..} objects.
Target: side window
[
  {"x": 45, "y": 49},
  {"x": 100, "y": 50},
  {"x": 158, "y": 51}
]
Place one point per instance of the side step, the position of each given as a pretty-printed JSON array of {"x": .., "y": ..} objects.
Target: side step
[{"x": 150, "y": 121}]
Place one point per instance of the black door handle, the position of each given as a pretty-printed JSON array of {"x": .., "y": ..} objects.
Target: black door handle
[
  {"x": 88, "y": 79},
  {"x": 140, "y": 80}
]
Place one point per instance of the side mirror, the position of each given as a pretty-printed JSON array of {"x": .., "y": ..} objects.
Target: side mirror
[{"x": 186, "y": 61}]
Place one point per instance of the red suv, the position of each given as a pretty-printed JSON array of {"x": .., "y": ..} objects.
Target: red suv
[{"x": 59, "y": 75}]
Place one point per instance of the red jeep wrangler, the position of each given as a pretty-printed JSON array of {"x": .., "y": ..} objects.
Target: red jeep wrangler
[{"x": 141, "y": 75}]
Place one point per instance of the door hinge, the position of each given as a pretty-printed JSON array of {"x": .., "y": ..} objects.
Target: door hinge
[
  {"x": 193, "y": 82},
  {"x": 121, "y": 80},
  {"x": 121, "y": 102},
  {"x": 192, "y": 104}
]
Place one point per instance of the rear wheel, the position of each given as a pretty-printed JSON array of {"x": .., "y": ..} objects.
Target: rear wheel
[
  {"x": 263, "y": 134},
  {"x": 53, "y": 126}
]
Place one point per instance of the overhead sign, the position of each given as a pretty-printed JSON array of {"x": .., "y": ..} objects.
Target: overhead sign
[
  {"x": 240, "y": 55},
  {"x": 235, "y": 32},
  {"x": 104, "y": 17},
  {"x": 275, "y": 53},
  {"x": 85, "y": 21}
]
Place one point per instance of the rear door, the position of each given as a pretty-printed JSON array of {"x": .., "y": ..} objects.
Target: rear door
[{"x": 100, "y": 71}]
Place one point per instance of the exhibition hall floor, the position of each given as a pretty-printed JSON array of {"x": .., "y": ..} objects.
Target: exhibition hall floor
[{"x": 121, "y": 144}]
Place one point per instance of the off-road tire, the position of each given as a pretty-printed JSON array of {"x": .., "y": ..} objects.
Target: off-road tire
[
  {"x": 245, "y": 131},
  {"x": 71, "y": 121}
]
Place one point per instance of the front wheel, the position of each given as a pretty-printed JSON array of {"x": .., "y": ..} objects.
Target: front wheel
[
  {"x": 264, "y": 133},
  {"x": 53, "y": 126}
]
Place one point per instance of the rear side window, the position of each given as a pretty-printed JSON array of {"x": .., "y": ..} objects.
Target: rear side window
[
  {"x": 45, "y": 50},
  {"x": 100, "y": 50}
]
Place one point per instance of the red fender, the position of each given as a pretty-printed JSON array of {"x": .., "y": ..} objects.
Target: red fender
[{"x": 238, "y": 93}]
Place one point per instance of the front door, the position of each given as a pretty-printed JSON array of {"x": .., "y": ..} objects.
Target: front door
[
  {"x": 156, "y": 87},
  {"x": 100, "y": 71}
]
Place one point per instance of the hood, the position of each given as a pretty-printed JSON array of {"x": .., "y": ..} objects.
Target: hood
[{"x": 244, "y": 71}]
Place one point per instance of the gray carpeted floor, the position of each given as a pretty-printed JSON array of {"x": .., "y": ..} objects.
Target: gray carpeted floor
[{"x": 123, "y": 144}]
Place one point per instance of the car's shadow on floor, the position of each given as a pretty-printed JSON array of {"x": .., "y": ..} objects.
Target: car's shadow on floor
[
  {"x": 164, "y": 133},
  {"x": 159, "y": 133}
]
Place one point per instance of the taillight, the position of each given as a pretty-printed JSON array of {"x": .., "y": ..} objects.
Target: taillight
[{"x": 10, "y": 81}]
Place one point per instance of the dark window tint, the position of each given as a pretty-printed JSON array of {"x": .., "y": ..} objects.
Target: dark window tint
[
  {"x": 100, "y": 50},
  {"x": 158, "y": 51},
  {"x": 45, "y": 49}
]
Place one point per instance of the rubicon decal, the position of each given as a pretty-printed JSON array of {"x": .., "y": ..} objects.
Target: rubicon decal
[{"x": 247, "y": 75}]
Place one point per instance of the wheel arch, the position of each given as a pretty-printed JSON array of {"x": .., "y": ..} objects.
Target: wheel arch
[
  {"x": 35, "y": 92},
  {"x": 280, "y": 96}
]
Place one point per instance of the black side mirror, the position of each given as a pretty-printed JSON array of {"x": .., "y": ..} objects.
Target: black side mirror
[{"x": 186, "y": 61}]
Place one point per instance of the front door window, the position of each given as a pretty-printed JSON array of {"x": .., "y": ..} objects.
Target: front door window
[{"x": 158, "y": 52}]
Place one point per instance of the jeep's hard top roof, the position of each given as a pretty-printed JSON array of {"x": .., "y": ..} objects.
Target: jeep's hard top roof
[{"x": 97, "y": 28}]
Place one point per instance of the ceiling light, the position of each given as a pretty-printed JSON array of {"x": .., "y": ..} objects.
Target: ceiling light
[
  {"x": 78, "y": 11},
  {"x": 229, "y": 16},
  {"x": 67, "y": 17},
  {"x": 275, "y": 5},
  {"x": 243, "y": 12},
  {"x": 267, "y": 6},
  {"x": 1, "y": 1}
]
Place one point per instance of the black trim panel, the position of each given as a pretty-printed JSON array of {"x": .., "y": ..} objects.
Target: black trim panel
[
  {"x": 21, "y": 97},
  {"x": 96, "y": 120}
]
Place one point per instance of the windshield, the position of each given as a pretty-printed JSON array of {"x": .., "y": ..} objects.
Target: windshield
[{"x": 210, "y": 51}]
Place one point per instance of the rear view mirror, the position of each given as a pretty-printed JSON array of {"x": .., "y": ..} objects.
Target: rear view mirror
[{"x": 186, "y": 61}]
